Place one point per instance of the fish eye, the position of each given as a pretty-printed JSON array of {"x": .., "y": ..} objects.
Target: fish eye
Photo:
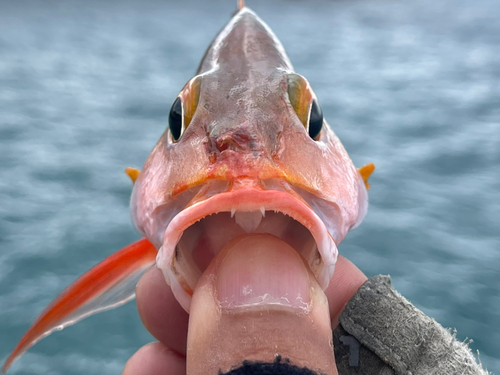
[
  {"x": 315, "y": 119},
  {"x": 175, "y": 119},
  {"x": 305, "y": 104},
  {"x": 184, "y": 108}
]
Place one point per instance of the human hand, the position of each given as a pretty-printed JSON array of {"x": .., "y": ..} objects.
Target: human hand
[{"x": 222, "y": 336}]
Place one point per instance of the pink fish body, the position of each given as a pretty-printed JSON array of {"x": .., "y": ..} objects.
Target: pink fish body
[{"x": 247, "y": 151}]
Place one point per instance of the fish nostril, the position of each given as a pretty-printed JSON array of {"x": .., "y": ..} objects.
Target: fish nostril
[
  {"x": 240, "y": 140},
  {"x": 223, "y": 143},
  {"x": 233, "y": 141}
]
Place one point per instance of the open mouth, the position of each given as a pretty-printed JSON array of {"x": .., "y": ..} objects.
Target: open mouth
[{"x": 200, "y": 231}]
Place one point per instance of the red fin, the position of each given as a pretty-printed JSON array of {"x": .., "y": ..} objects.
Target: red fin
[{"x": 109, "y": 284}]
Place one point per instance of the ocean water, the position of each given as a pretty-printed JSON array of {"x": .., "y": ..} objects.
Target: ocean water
[{"x": 85, "y": 90}]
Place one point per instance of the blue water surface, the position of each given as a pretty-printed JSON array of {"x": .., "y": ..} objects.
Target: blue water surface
[{"x": 85, "y": 90}]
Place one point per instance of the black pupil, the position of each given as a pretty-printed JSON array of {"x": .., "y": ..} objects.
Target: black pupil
[
  {"x": 315, "y": 120},
  {"x": 175, "y": 118}
]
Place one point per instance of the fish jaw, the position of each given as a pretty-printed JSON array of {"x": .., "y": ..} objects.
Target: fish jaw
[{"x": 197, "y": 233}]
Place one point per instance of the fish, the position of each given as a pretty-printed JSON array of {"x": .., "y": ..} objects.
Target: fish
[{"x": 246, "y": 150}]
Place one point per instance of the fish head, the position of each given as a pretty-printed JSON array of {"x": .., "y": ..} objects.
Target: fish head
[{"x": 247, "y": 151}]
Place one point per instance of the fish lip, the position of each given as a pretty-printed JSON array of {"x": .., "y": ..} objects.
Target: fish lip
[{"x": 243, "y": 199}]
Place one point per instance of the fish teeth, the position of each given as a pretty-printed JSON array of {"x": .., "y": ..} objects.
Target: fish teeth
[
  {"x": 263, "y": 211},
  {"x": 233, "y": 210},
  {"x": 248, "y": 221}
]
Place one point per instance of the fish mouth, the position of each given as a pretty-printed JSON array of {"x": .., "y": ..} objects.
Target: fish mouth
[{"x": 224, "y": 211}]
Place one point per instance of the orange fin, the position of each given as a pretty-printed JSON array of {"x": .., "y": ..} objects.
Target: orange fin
[
  {"x": 366, "y": 172},
  {"x": 241, "y": 4},
  {"x": 133, "y": 173},
  {"x": 109, "y": 284}
]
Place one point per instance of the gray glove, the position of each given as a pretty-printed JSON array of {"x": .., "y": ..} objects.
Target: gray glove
[{"x": 380, "y": 332}]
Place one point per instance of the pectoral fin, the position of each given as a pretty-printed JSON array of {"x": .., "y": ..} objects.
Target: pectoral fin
[
  {"x": 133, "y": 173},
  {"x": 366, "y": 171},
  {"x": 108, "y": 285}
]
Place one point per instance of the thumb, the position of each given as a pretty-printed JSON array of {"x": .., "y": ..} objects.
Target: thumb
[{"x": 258, "y": 302}]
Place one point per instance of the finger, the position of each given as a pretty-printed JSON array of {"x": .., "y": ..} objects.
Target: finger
[
  {"x": 258, "y": 300},
  {"x": 160, "y": 312},
  {"x": 155, "y": 359},
  {"x": 345, "y": 281},
  {"x": 168, "y": 322}
]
